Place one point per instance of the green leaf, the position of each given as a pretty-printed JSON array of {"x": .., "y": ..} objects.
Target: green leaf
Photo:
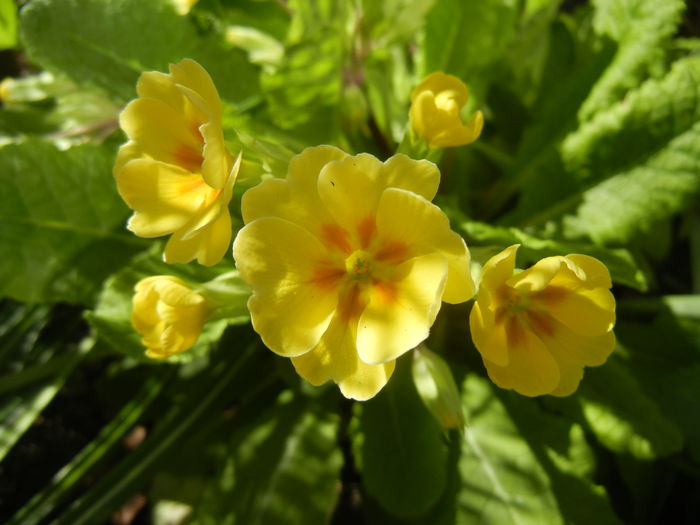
[
  {"x": 463, "y": 38},
  {"x": 59, "y": 211},
  {"x": 502, "y": 481},
  {"x": 8, "y": 24},
  {"x": 641, "y": 28},
  {"x": 304, "y": 90},
  {"x": 650, "y": 143},
  {"x": 623, "y": 418},
  {"x": 633, "y": 131},
  {"x": 393, "y": 20},
  {"x": 562, "y": 449},
  {"x": 108, "y": 44},
  {"x": 288, "y": 455},
  {"x": 400, "y": 448},
  {"x": 631, "y": 203},
  {"x": 623, "y": 267},
  {"x": 670, "y": 377},
  {"x": 112, "y": 316}
]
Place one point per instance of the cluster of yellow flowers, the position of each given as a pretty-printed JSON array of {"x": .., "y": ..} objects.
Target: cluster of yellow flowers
[{"x": 347, "y": 258}]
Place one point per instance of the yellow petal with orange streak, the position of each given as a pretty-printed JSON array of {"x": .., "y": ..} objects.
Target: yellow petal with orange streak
[
  {"x": 400, "y": 313},
  {"x": 163, "y": 197},
  {"x": 289, "y": 308},
  {"x": 406, "y": 218}
]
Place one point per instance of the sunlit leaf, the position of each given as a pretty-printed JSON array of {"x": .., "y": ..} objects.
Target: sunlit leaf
[{"x": 62, "y": 222}]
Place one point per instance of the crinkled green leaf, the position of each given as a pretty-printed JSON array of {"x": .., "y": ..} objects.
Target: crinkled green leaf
[
  {"x": 650, "y": 143},
  {"x": 62, "y": 222},
  {"x": 640, "y": 28},
  {"x": 111, "y": 43},
  {"x": 631, "y": 132}
]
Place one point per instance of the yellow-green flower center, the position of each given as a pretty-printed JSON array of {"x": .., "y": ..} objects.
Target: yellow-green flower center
[
  {"x": 514, "y": 301},
  {"x": 359, "y": 265}
]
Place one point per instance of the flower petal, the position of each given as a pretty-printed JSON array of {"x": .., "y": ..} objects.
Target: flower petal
[
  {"x": 531, "y": 370},
  {"x": 586, "y": 312},
  {"x": 404, "y": 217},
  {"x": 280, "y": 198},
  {"x": 209, "y": 244},
  {"x": 162, "y": 133},
  {"x": 164, "y": 197},
  {"x": 217, "y": 160},
  {"x": 538, "y": 276},
  {"x": 160, "y": 86},
  {"x": 335, "y": 357},
  {"x": 583, "y": 350},
  {"x": 348, "y": 188},
  {"x": 596, "y": 273},
  {"x": 190, "y": 74},
  {"x": 127, "y": 152},
  {"x": 498, "y": 269},
  {"x": 573, "y": 351},
  {"x": 489, "y": 338},
  {"x": 351, "y": 188},
  {"x": 439, "y": 81},
  {"x": 400, "y": 313},
  {"x": 304, "y": 168},
  {"x": 419, "y": 176},
  {"x": 454, "y": 133},
  {"x": 288, "y": 308}
]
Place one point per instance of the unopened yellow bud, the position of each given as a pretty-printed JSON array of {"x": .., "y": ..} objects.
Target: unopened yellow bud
[
  {"x": 437, "y": 388},
  {"x": 168, "y": 314},
  {"x": 435, "y": 112}
]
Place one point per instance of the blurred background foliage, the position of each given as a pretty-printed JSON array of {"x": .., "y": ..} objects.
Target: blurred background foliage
[{"x": 591, "y": 145}]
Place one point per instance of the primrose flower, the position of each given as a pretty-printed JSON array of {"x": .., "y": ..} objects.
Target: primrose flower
[
  {"x": 175, "y": 172},
  {"x": 537, "y": 329},
  {"x": 348, "y": 261},
  {"x": 168, "y": 314},
  {"x": 435, "y": 106}
]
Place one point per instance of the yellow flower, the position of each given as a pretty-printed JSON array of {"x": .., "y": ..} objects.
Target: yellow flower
[
  {"x": 537, "y": 329},
  {"x": 349, "y": 261},
  {"x": 175, "y": 172},
  {"x": 168, "y": 314},
  {"x": 435, "y": 106}
]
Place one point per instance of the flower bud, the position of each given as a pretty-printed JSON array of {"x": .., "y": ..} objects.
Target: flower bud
[
  {"x": 435, "y": 112},
  {"x": 437, "y": 388},
  {"x": 168, "y": 314}
]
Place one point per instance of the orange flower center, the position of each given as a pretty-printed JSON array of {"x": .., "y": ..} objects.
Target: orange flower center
[{"x": 359, "y": 265}]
